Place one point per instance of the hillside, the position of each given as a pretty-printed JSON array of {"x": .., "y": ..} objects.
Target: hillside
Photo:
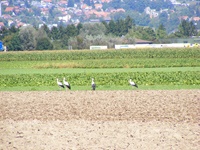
[{"x": 61, "y": 12}]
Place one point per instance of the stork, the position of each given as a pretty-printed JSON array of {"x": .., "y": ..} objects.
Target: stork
[
  {"x": 66, "y": 84},
  {"x": 93, "y": 84},
  {"x": 133, "y": 83},
  {"x": 60, "y": 84}
]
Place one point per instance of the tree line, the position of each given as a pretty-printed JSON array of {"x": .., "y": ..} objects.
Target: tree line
[{"x": 82, "y": 36}]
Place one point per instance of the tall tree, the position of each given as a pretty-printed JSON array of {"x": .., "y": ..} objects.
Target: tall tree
[
  {"x": 145, "y": 33},
  {"x": 161, "y": 32},
  {"x": 14, "y": 43},
  {"x": 186, "y": 29},
  {"x": 55, "y": 34},
  {"x": 79, "y": 27},
  {"x": 71, "y": 30},
  {"x": 46, "y": 29},
  {"x": 44, "y": 44},
  {"x": 92, "y": 29},
  {"x": 27, "y": 37}
]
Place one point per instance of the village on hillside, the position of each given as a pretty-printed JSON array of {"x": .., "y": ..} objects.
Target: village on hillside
[{"x": 55, "y": 12}]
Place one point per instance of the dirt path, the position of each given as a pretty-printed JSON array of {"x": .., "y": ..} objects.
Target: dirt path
[{"x": 100, "y": 120}]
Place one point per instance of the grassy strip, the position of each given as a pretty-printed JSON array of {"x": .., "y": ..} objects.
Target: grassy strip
[
  {"x": 105, "y": 54},
  {"x": 105, "y": 63},
  {"x": 100, "y": 87},
  {"x": 104, "y": 70}
]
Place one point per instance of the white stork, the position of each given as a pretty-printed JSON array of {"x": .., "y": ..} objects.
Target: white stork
[
  {"x": 93, "y": 84},
  {"x": 133, "y": 83},
  {"x": 60, "y": 84},
  {"x": 66, "y": 84}
]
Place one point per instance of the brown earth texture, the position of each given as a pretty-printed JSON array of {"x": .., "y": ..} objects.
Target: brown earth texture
[{"x": 100, "y": 120}]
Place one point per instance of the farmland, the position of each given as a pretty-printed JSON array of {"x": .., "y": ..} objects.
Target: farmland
[
  {"x": 118, "y": 119},
  {"x": 173, "y": 68},
  {"x": 163, "y": 113}
]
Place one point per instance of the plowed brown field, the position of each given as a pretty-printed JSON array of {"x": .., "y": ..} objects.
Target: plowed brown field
[{"x": 100, "y": 120}]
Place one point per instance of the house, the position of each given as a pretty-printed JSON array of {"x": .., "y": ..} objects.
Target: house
[
  {"x": 9, "y": 9},
  {"x": 101, "y": 14},
  {"x": 65, "y": 18},
  {"x": 95, "y": 20},
  {"x": 196, "y": 19},
  {"x": 5, "y": 3},
  {"x": 98, "y": 6},
  {"x": 10, "y": 23},
  {"x": 47, "y": 1},
  {"x": 106, "y": 1},
  {"x": 44, "y": 11},
  {"x": 62, "y": 2},
  {"x": 183, "y": 18},
  {"x": 151, "y": 12},
  {"x": 116, "y": 10},
  {"x": 107, "y": 19},
  {"x": 6, "y": 16}
]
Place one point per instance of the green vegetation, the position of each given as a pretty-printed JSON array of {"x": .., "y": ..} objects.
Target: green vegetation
[
  {"x": 82, "y": 36},
  {"x": 150, "y": 69},
  {"x": 112, "y": 79},
  {"x": 168, "y": 53}
]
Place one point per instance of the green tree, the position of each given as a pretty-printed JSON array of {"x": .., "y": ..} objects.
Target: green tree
[
  {"x": 120, "y": 27},
  {"x": 14, "y": 43},
  {"x": 186, "y": 29},
  {"x": 79, "y": 27},
  {"x": 161, "y": 32},
  {"x": 13, "y": 29},
  {"x": 46, "y": 29},
  {"x": 43, "y": 44},
  {"x": 55, "y": 34},
  {"x": 3, "y": 32},
  {"x": 71, "y": 30},
  {"x": 92, "y": 29},
  {"x": 145, "y": 33},
  {"x": 111, "y": 27},
  {"x": 27, "y": 37}
]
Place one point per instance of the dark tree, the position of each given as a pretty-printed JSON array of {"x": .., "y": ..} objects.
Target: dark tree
[
  {"x": 46, "y": 29},
  {"x": 79, "y": 26},
  {"x": 186, "y": 29},
  {"x": 71, "y": 30},
  {"x": 55, "y": 34},
  {"x": 14, "y": 44},
  {"x": 44, "y": 44}
]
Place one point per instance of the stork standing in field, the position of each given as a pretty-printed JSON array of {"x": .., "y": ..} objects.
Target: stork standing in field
[
  {"x": 60, "y": 84},
  {"x": 133, "y": 83},
  {"x": 66, "y": 84},
  {"x": 93, "y": 84}
]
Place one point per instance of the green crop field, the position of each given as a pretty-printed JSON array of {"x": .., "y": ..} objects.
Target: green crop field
[{"x": 149, "y": 68}]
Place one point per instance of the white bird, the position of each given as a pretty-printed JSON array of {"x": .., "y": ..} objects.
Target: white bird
[
  {"x": 66, "y": 84},
  {"x": 133, "y": 83},
  {"x": 60, "y": 84},
  {"x": 93, "y": 84}
]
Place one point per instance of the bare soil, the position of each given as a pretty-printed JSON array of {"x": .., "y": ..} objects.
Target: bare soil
[{"x": 120, "y": 120}]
